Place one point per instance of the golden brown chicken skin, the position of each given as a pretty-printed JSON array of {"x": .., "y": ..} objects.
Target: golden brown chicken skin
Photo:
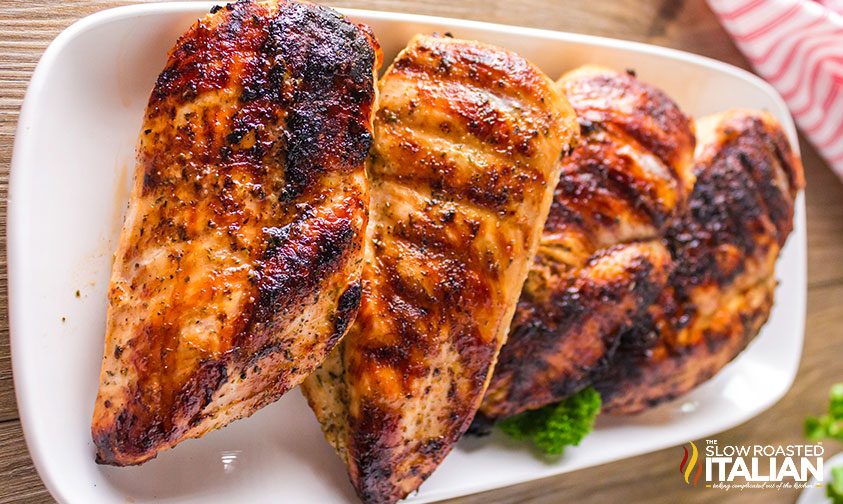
[
  {"x": 725, "y": 249},
  {"x": 467, "y": 142},
  {"x": 600, "y": 263},
  {"x": 238, "y": 266}
]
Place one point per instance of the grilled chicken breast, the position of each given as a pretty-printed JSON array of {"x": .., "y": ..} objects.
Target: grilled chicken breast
[
  {"x": 238, "y": 267},
  {"x": 601, "y": 262},
  {"x": 725, "y": 249},
  {"x": 467, "y": 142}
]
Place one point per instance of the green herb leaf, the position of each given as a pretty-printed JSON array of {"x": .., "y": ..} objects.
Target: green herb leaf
[
  {"x": 814, "y": 429},
  {"x": 556, "y": 426},
  {"x": 834, "y": 488},
  {"x": 835, "y": 407},
  {"x": 828, "y": 426}
]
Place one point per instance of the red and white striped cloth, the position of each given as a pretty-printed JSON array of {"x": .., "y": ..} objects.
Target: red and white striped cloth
[{"x": 797, "y": 46}]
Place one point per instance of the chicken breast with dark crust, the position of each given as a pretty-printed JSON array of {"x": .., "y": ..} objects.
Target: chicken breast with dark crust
[
  {"x": 467, "y": 142},
  {"x": 238, "y": 266},
  {"x": 725, "y": 249},
  {"x": 601, "y": 262}
]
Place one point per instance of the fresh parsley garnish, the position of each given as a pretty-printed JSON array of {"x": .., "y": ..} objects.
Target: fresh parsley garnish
[
  {"x": 830, "y": 425},
  {"x": 555, "y": 426}
]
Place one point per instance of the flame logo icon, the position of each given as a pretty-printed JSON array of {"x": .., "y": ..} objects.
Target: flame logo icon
[{"x": 686, "y": 467}]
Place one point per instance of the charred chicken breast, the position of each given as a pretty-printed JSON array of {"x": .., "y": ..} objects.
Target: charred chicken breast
[
  {"x": 238, "y": 266},
  {"x": 601, "y": 262},
  {"x": 467, "y": 142},
  {"x": 724, "y": 252}
]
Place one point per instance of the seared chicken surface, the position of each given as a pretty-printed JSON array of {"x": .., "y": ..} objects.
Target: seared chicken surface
[
  {"x": 467, "y": 142},
  {"x": 238, "y": 267},
  {"x": 601, "y": 262},
  {"x": 725, "y": 249}
]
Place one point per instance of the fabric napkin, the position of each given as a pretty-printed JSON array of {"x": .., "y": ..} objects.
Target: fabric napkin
[{"x": 797, "y": 46}]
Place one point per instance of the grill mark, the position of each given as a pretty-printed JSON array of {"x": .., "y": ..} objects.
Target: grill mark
[
  {"x": 594, "y": 186},
  {"x": 319, "y": 119},
  {"x": 455, "y": 264},
  {"x": 439, "y": 87},
  {"x": 649, "y": 104},
  {"x": 133, "y": 434},
  {"x": 457, "y": 291},
  {"x": 371, "y": 447},
  {"x": 243, "y": 48},
  {"x": 428, "y": 241},
  {"x": 723, "y": 210},
  {"x": 562, "y": 215},
  {"x": 496, "y": 188},
  {"x": 504, "y": 74},
  {"x": 297, "y": 258},
  {"x": 771, "y": 201},
  {"x": 413, "y": 312},
  {"x": 435, "y": 326},
  {"x": 437, "y": 139},
  {"x": 347, "y": 307},
  {"x": 472, "y": 212},
  {"x": 620, "y": 185},
  {"x": 546, "y": 334},
  {"x": 643, "y": 376},
  {"x": 486, "y": 194},
  {"x": 727, "y": 208},
  {"x": 789, "y": 163},
  {"x": 507, "y": 124},
  {"x": 762, "y": 158}
]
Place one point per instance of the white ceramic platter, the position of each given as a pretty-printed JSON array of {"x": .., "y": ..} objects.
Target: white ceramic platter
[{"x": 70, "y": 179}]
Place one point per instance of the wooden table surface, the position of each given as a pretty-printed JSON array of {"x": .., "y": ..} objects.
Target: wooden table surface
[{"x": 27, "y": 26}]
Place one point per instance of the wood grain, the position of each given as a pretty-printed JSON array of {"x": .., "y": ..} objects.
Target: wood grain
[
  {"x": 18, "y": 480},
  {"x": 27, "y": 27}
]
